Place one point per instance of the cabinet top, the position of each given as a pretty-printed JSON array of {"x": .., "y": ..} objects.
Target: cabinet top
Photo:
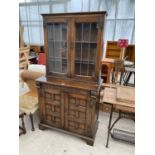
[
  {"x": 76, "y": 13},
  {"x": 70, "y": 83}
]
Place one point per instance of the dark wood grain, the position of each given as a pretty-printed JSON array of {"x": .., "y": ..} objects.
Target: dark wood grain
[{"x": 70, "y": 102}]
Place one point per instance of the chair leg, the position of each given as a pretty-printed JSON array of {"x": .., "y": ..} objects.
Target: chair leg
[
  {"x": 23, "y": 124},
  {"x": 31, "y": 118}
]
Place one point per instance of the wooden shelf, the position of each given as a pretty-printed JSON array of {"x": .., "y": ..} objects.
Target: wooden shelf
[
  {"x": 57, "y": 40},
  {"x": 84, "y": 61},
  {"x": 86, "y": 42},
  {"x": 104, "y": 75},
  {"x": 113, "y": 51}
]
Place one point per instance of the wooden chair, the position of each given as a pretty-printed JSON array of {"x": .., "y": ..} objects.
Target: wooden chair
[
  {"x": 22, "y": 126},
  {"x": 21, "y": 38},
  {"x": 23, "y": 60},
  {"x": 24, "y": 57},
  {"x": 28, "y": 103}
]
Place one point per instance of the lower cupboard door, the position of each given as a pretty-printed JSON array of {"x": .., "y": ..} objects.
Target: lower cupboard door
[
  {"x": 54, "y": 110},
  {"x": 76, "y": 113}
]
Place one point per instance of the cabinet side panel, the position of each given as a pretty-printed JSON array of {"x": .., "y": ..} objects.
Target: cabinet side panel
[{"x": 41, "y": 103}]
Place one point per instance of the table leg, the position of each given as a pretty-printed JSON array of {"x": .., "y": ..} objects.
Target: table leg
[
  {"x": 127, "y": 79},
  {"x": 119, "y": 117},
  {"x": 111, "y": 112},
  {"x": 124, "y": 77}
]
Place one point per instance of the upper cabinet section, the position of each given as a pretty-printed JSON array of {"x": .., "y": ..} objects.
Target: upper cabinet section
[{"x": 73, "y": 44}]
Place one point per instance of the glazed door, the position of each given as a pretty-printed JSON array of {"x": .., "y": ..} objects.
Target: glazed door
[
  {"x": 54, "y": 108},
  {"x": 76, "y": 113},
  {"x": 86, "y": 40},
  {"x": 57, "y": 46}
]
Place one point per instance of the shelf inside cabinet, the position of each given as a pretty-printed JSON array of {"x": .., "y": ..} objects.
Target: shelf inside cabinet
[
  {"x": 104, "y": 75},
  {"x": 84, "y": 61},
  {"x": 86, "y": 42},
  {"x": 57, "y": 40}
]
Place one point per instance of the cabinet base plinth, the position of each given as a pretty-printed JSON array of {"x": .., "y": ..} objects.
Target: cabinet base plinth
[
  {"x": 42, "y": 127},
  {"x": 89, "y": 140},
  {"x": 91, "y": 143}
]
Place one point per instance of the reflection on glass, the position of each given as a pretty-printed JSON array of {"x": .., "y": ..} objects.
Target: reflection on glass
[
  {"x": 57, "y": 47},
  {"x": 94, "y": 32},
  {"x": 64, "y": 32},
  {"x": 85, "y": 48},
  {"x": 78, "y": 51},
  {"x": 86, "y": 31},
  {"x": 57, "y": 31},
  {"x": 77, "y": 68},
  {"x": 58, "y": 65},
  {"x": 93, "y": 50},
  {"x": 91, "y": 71},
  {"x": 85, "y": 53},
  {"x": 78, "y": 32}
]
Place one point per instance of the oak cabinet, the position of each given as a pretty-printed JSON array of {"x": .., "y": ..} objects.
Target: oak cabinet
[{"x": 69, "y": 94}]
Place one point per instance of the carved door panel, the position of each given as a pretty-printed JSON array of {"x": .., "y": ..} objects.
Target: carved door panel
[
  {"x": 54, "y": 108},
  {"x": 76, "y": 113}
]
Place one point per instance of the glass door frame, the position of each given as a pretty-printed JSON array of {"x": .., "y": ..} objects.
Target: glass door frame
[
  {"x": 84, "y": 19},
  {"x": 48, "y": 21}
]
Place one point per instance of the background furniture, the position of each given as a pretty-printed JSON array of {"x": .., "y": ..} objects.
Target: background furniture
[
  {"x": 107, "y": 65},
  {"x": 126, "y": 106},
  {"x": 37, "y": 68},
  {"x": 21, "y": 39},
  {"x": 129, "y": 71},
  {"x": 28, "y": 102},
  {"x": 113, "y": 51},
  {"x": 69, "y": 94},
  {"x": 36, "y": 48},
  {"x": 112, "y": 72},
  {"x": 23, "y": 61},
  {"x": 24, "y": 57},
  {"x": 118, "y": 71},
  {"x": 112, "y": 68},
  {"x": 42, "y": 58},
  {"x": 22, "y": 127}
]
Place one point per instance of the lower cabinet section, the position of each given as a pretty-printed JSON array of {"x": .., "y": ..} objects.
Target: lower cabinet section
[{"x": 70, "y": 110}]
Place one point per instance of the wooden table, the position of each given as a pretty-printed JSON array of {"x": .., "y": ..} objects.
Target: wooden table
[{"x": 110, "y": 97}]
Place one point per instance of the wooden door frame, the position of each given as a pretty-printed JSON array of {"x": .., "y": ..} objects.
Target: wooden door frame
[
  {"x": 46, "y": 22},
  {"x": 88, "y": 19}
]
